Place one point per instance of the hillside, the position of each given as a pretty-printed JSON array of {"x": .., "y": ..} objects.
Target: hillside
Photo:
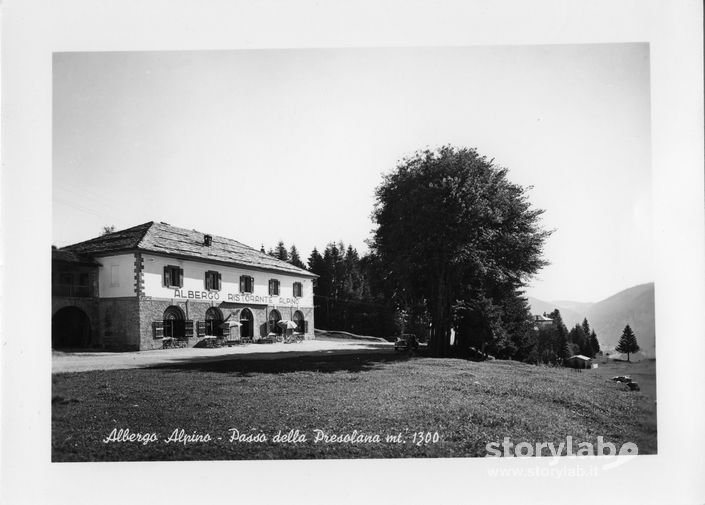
[{"x": 633, "y": 306}]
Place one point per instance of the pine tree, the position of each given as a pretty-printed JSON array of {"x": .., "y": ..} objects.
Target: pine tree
[
  {"x": 586, "y": 327},
  {"x": 627, "y": 342},
  {"x": 563, "y": 349},
  {"x": 315, "y": 261},
  {"x": 294, "y": 257},
  {"x": 594, "y": 343},
  {"x": 281, "y": 252},
  {"x": 582, "y": 341}
]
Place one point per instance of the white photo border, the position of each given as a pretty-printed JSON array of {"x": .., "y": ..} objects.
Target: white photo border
[{"x": 34, "y": 30}]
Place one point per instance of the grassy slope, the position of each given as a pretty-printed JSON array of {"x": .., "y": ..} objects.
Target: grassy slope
[{"x": 468, "y": 404}]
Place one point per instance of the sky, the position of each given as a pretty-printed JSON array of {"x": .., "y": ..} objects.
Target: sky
[{"x": 290, "y": 144}]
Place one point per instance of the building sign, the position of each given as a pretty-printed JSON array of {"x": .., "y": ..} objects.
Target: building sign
[{"x": 235, "y": 297}]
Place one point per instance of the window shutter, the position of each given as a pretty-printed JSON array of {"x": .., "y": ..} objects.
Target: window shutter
[
  {"x": 276, "y": 288},
  {"x": 181, "y": 277},
  {"x": 242, "y": 284},
  {"x": 189, "y": 328},
  {"x": 270, "y": 286},
  {"x": 252, "y": 284},
  {"x": 305, "y": 326},
  {"x": 158, "y": 329},
  {"x": 206, "y": 281},
  {"x": 201, "y": 329},
  {"x": 166, "y": 279},
  {"x": 219, "y": 281}
]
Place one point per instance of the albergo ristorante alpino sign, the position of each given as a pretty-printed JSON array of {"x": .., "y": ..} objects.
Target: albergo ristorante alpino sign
[{"x": 235, "y": 297}]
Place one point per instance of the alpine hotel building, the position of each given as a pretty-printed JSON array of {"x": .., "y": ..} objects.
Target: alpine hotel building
[{"x": 130, "y": 289}]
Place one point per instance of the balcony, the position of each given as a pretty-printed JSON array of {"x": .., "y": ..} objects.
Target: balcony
[{"x": 72, "y": 290}]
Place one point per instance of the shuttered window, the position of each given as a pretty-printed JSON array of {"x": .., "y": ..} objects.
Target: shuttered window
[
  {"x": 247, "y": 284},
  {"x": 158, "y": 329},
  {"x": 212, "y": 281},
  {"x": 188, "y": 326},
  {"x": 173, "y": 276},
  {"x": 201, "y": 329},
  {"x": 298, "y": 290},
  {"x": 273, "y": 287}
]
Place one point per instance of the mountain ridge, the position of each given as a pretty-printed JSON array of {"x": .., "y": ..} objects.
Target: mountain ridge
[{"x": 633, "y": 306}]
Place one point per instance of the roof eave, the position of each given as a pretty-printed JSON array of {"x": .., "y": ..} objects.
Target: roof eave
[{"x": 302, "y": 273}]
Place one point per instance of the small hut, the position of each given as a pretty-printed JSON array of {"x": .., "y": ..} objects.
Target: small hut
[{"x": 579, "y": 361}]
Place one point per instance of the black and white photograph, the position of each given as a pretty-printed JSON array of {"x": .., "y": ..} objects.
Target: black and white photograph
[
  {"x": 358, "y": 253},
  {"x": 271, "y": 258}
]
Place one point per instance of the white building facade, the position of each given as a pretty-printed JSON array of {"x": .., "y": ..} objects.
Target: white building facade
[{"x": 158, "y": 283}]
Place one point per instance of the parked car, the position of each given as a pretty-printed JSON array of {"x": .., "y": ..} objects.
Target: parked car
[{"x": 406, "y": 342}]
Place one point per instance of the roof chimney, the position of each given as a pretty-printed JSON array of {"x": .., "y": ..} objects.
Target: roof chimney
[{"x": 207, "y": 240}]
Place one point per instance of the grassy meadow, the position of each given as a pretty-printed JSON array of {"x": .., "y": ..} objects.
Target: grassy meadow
[{"x": 428, "y": 407}]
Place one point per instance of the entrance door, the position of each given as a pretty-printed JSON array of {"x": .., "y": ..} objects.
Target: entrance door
[
  {"x": 214, "y": 320},
  {"x": 298, "y": 318},
  {"x": 174, "y": 323},
  {"x": 246, "y": 323},
  {"x": 274, "y": 318}
]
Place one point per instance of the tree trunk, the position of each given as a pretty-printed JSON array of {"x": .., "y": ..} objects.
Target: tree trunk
[{"x": 440, "y": 315}]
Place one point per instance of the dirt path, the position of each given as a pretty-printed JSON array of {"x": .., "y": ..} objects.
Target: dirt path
[{"x": 85, "y": 361}]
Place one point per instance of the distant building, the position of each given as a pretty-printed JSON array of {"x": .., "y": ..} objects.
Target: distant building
[
  {"x": 578, "y": 361},
  {"x": 541, "y": 321},
  {"x": 132, "y": 288}
]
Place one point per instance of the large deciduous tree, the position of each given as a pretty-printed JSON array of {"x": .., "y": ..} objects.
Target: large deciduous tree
[{"x": 451, "y": 227}]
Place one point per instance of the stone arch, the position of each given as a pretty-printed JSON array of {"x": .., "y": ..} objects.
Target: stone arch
[
  {"x": 274, "y": 317},
  {"x": 70, "y": 327},
  {"x": 214, "y": 320},
  {"x": 174, "y": 322},
  {"x": 298, "y": 318},
  {"x": 247, "y": 323}
]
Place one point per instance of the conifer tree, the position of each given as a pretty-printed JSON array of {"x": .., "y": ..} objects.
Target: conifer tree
[
  {"x": 281, "y": 252},
  {"x": 586, "y": 327},
  {"x": 594, "y": 343},
  {"x": 627, "y": 343},
  {"x": 294, "y": 257}
]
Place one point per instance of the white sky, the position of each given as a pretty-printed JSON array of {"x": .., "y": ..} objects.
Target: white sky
[{"x": 264, "y": 145}]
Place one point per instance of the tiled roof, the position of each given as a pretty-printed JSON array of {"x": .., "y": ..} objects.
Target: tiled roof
[
  {"x": 71, "y": 257},
  {"x": 162, "y": 238}
]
